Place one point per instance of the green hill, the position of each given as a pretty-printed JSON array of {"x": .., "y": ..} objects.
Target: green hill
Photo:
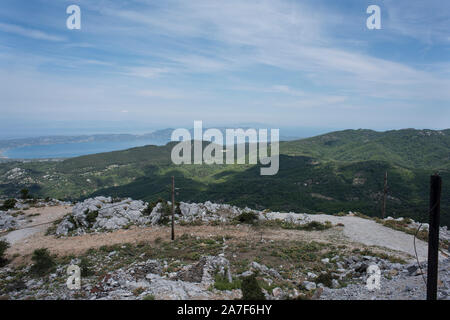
[
  {"x": 338, "y": 171},
  {"x": 410, "y": 148}
]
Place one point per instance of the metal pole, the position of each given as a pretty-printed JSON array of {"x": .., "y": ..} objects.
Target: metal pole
[
  {"x": 173, "y": 208},
  {"x": 433, "y": 236},
  {"x": 383, "y": 213}
]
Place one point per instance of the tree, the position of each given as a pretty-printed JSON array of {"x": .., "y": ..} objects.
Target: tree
[
  {"x": 3, "y": 247},
  {"x": 251, "y": 289},
  {"x": 25, "y": 193}
]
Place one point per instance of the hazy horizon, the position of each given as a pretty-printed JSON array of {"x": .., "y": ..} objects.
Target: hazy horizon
[
  {"x": 300, "y": 132},
  {"x": 149, "y": 65}
]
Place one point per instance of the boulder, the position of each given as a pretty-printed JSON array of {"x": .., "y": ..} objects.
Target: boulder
[{"x": 308, "y": 285}]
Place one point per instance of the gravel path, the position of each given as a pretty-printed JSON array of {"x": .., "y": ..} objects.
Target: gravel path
[
  {"x": 371, "y": 233},
  {"x": 40, "y": 222},
  {"x": 356, "y": 229}
]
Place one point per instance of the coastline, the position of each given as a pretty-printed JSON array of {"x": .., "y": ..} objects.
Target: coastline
[{"x": 2, "y": 156}]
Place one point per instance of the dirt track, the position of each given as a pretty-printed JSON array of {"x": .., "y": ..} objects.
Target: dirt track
[
  {"x": 356, "y": 231},
  {"x": 38, "y": 224},
  {"x": 78, "y": 244}
]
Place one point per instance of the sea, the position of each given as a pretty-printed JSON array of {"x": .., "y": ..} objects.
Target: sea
[{"x": 69, "y": 150}]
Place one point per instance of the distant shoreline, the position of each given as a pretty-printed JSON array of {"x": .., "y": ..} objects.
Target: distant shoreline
[{"x": 1, "y": 154}]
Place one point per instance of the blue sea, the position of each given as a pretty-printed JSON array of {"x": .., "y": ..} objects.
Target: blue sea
[{"x": 68, "y": 150}]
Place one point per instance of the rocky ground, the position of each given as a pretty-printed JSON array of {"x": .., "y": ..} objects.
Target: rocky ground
[
  {"x": 400, "y": 282},
  {"x": 23, "y": 212},
  {"x": 124, "y": 250},
  {"x": 105, "y": 214}
]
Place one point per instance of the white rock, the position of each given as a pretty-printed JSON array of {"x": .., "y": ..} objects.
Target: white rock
[{"x": 309, "y": 285}]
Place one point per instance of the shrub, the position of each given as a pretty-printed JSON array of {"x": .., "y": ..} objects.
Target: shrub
[
  {"x": 91, "y": 217},
  {"x": 315, "y": 225},
  {"x": 221, "y": 283},
  {"x": 247, "y": 217},
  {"x": 85, "y": 268},
  {"x": 164, "y": 220},
  {"x": 138, "y": 291},
  {"x": 325, "y": 279},
  {"x": 8, "y": 204},
  {"x": 24, "y": 194},
  {"x": 361, "y": 215},
  {"x": 52, "y": 229},
  {"x": 74, "y": 222},
  {"x": 251, "y": 290},
  {"x": 148, "y": 210},
  {"x": 177, "y": 208},
  {"x": 43, "y": 262},
  {"x": 166, "y": 209},
  {"x": 4, "y": 245},
  {"x": 149, "y": 297}
]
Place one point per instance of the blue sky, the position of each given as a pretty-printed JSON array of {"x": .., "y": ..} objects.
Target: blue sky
[{"x": 140, "y": 65}]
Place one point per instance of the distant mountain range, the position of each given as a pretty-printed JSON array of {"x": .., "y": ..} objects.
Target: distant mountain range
[
  {"x": 338, "y": 171},
  {"x": 159, "y": 137}
]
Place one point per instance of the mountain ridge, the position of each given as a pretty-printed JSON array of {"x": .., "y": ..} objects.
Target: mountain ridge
[{"x": 338, "y": 171}]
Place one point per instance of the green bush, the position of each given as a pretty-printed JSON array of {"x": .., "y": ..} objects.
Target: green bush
[
  {"x": 251, "y": 290},
  {"x": 148, "y": 210},
  {"x": 85, "y": 268},
  {"x": 221, "y": 283},
  {"x": 247, "y": 217},
  {"x": 24, "y": 194},
  {"x": 315, "y": 225},
  {"x": 177, "y": 208},
  {"x": 43, "y": 262},
  {"x": 8, "y": 204},
  {"x": 166, "y": 209},
  {"x": 326, "y": 279},
  {"x": 4, "y": 245},
  {"x": 91, "y": 217}
]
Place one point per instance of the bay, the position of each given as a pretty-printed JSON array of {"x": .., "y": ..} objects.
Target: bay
[{"x": 69, "y": 150}]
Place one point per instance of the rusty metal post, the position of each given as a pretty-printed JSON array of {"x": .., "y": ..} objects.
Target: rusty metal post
[
  {"x": 173, "y": 208},
  {"x": 433, "y": 236}
]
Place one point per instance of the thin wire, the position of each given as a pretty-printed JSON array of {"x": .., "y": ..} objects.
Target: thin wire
[
  {"x": 44, "y": 223},
  {"x": 417, "y": 257},
  {"x": 27, "y": 227},
  {"x": 414, "y": 242}
]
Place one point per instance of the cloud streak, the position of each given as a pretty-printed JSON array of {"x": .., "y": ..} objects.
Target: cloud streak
[
  {"x": 30, "y": 33},
  {"x": 271, "y": 59}
]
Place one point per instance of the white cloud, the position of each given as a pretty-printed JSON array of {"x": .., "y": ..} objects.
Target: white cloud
[
  {"x": 147, "y": 72},
  {"x": 427, "y": 21},
  {"x": 284, "y": 34},
  {"x": 172, "y": 50},
  {"x": 30, "y": 33}
]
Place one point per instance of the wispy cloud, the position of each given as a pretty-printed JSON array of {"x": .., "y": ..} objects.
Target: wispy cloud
[
  {"x": 262, "y": 59},
  {"x": 30, "y": 33},
  {"x": 427, "y": 21},
  {"x": 146, "y": 72}
]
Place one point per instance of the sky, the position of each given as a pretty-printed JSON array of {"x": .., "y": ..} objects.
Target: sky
[{"x": 141, "y": 65}]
